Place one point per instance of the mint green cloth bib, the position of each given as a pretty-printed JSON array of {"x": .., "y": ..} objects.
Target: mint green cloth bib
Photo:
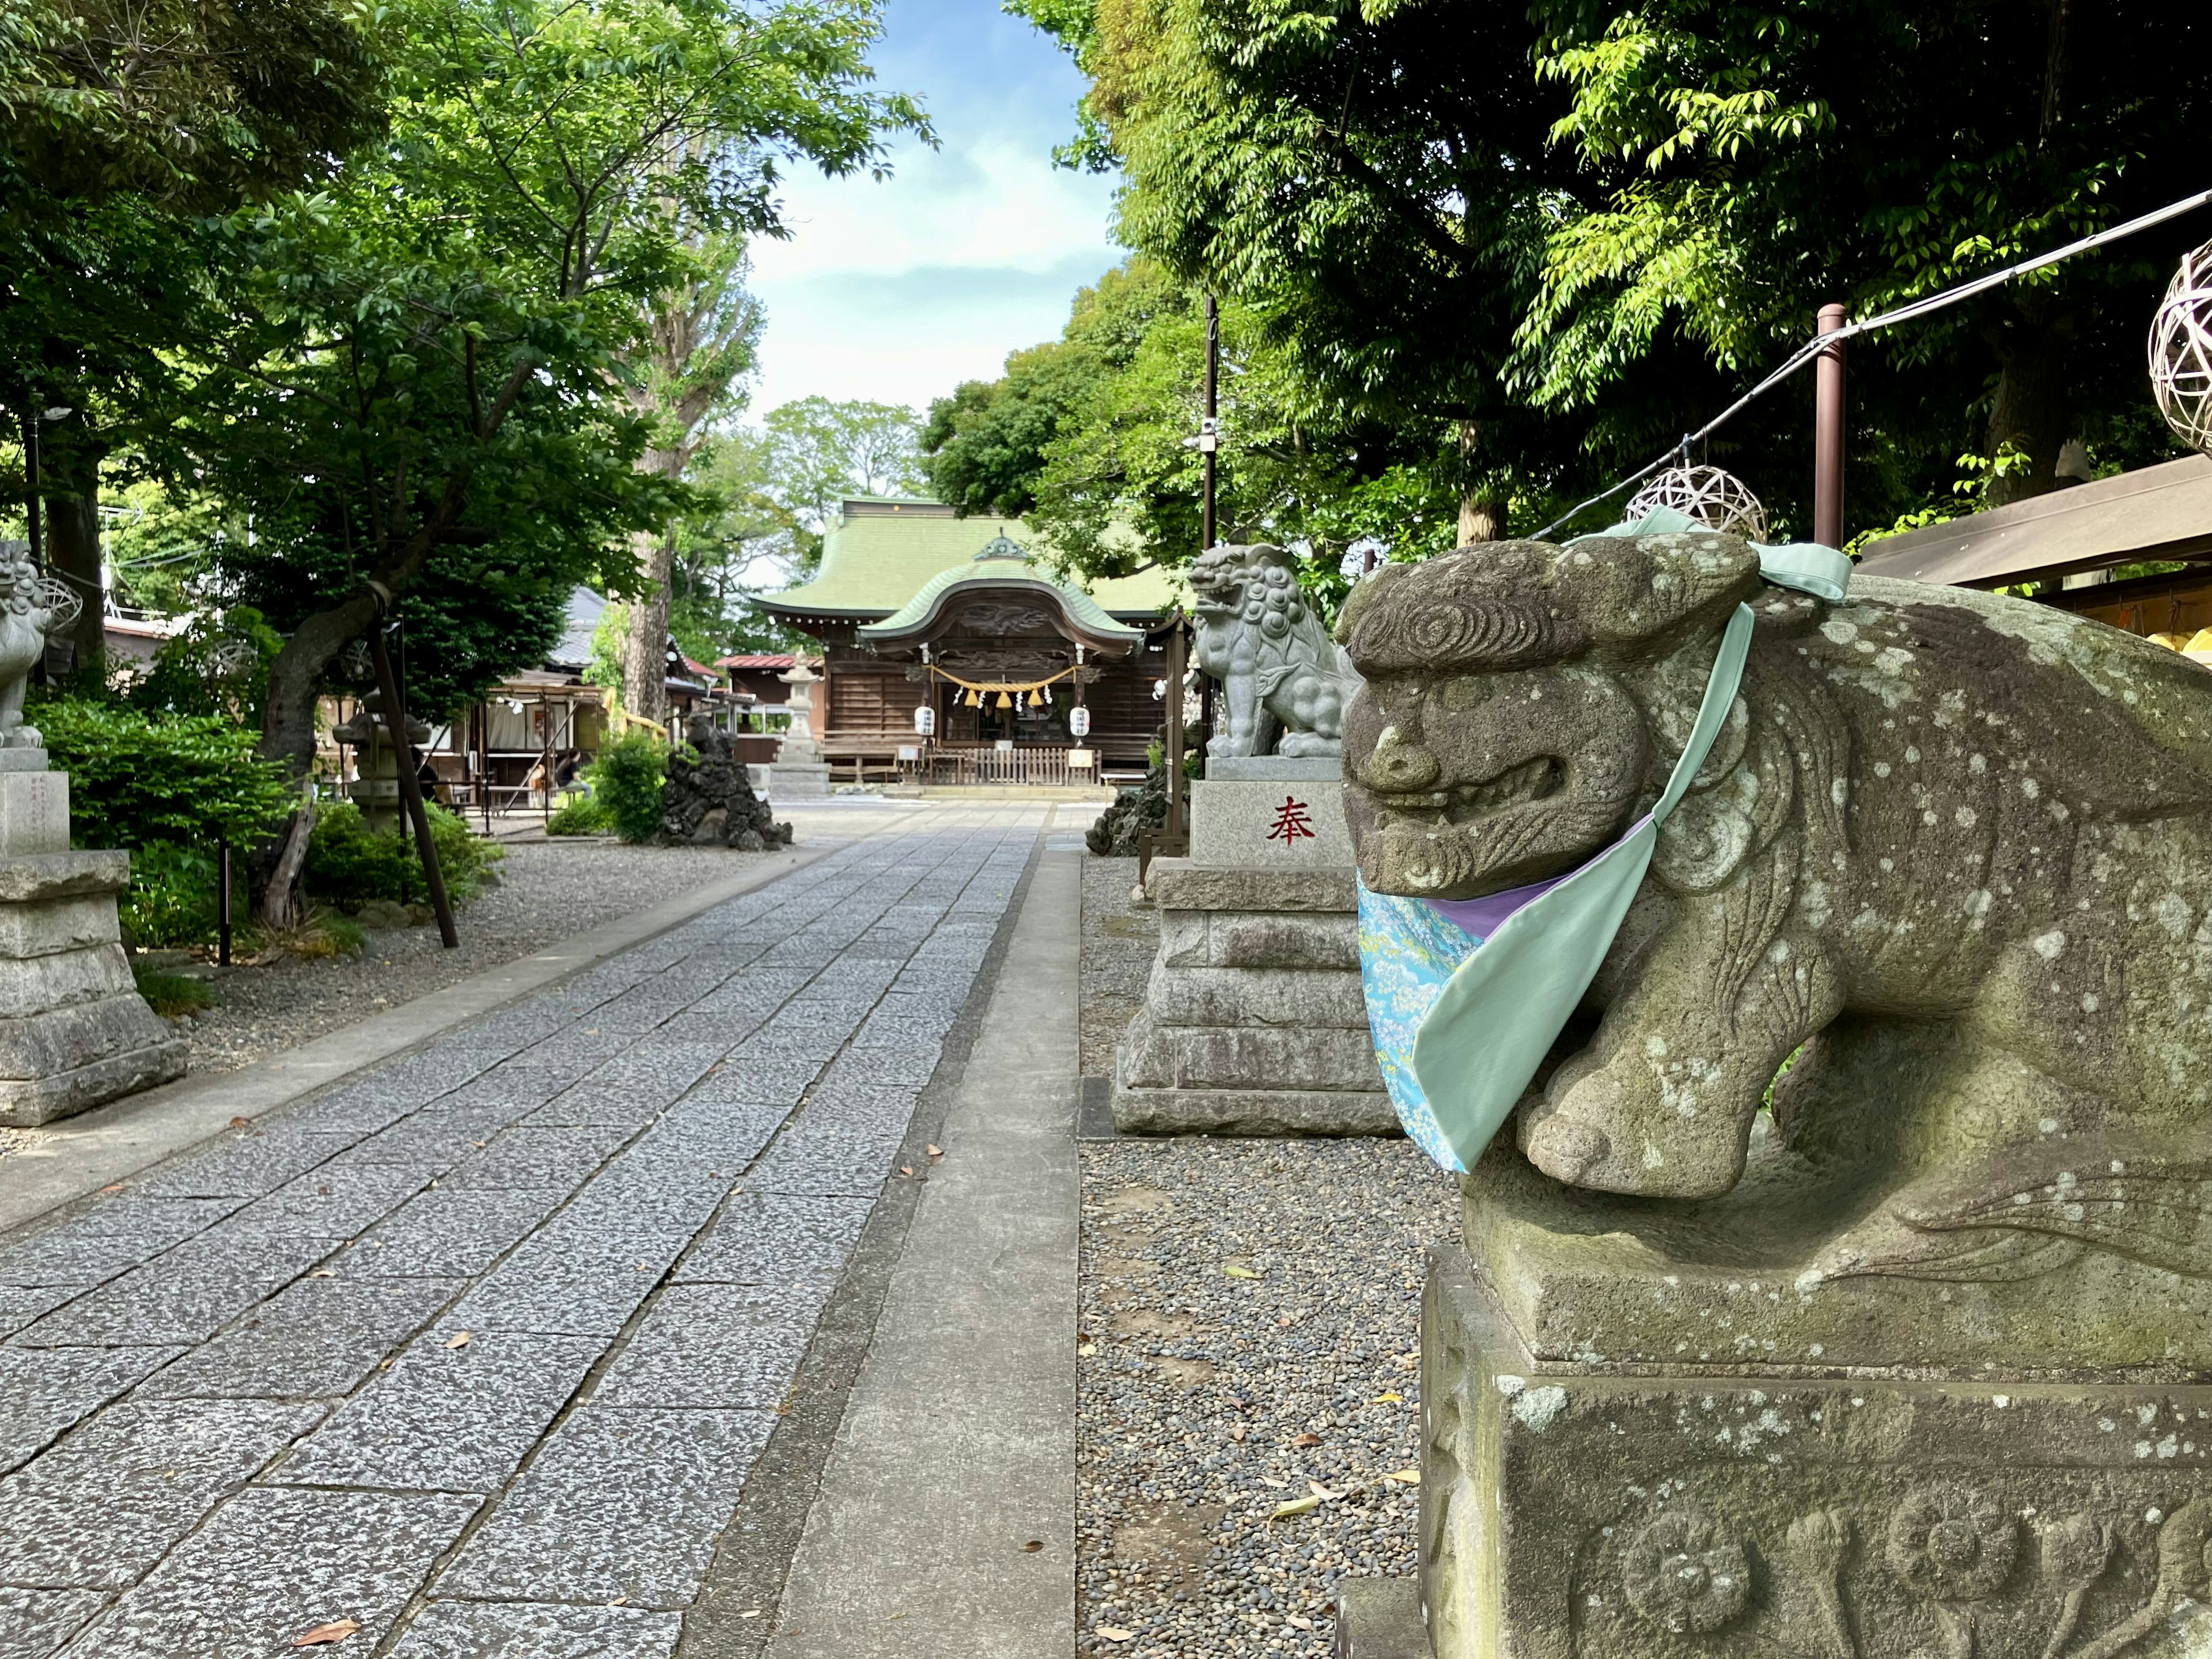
[{"x": 1465, "y": 998}]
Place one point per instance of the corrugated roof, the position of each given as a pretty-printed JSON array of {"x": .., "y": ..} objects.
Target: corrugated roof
[
  {"x": 756, "y": 659},
  {"x": 2162, "y": 512},
  {"x": 872, "y": 564}
]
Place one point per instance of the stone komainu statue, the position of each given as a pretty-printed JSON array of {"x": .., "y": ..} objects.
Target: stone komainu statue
[
  {"x": 1956, "y": 847},
  {"x": 1277, "y": 665},
  {"x": 30, "y": 606}
]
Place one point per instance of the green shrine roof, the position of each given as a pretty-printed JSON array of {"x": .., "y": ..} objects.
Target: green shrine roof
[
  {"x": 882, "y": 553},
  {"x": 1002, "y": 563}
]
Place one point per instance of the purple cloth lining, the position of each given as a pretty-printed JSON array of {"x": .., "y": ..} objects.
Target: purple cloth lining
[{"x": 1482, "y": 917}]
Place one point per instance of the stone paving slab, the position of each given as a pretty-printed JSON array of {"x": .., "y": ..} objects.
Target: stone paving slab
[
  {"x": 523, "y": 1630},
  {"x": 563, "y": 1158},
  {"x": 446, "y": 1418},
  {"x": 243, "y": 1164},
  {"x": 273, "y": 1563},
  {"x": 776, "y": 1238},
  {"x": 443, "y": 1232},
  {"x": 43, "y": 1391},
  {"x": 157, "y": 1467},
  {"x": 108, "y": 1240},
  {"x": 727, "y": 1347},
  {"x": 320, "y": 1339},
  {"x": 619, "y": 1504},
  {"x": 39, "y": 1621},
  {"x": 636, "y": 1169},
  {"x": 186, "y": 1296},
  {"x": 332, "y": 1204}
]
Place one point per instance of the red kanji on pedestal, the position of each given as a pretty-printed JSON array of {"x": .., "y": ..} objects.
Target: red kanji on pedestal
[{"x": 1290, "y": 823}]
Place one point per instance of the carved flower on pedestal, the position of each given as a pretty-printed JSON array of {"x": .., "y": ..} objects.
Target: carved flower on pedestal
[
  {"x": 1685, "y": 1574},
  {"x": 1952, "y": 1545}
]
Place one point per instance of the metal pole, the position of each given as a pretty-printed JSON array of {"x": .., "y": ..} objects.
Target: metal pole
[
  {"x": 1210, "y": 439},
  {"x": 410, "y": 787},
  {"x": 1828, "y": 435},
  {"x": 1177, "y": 831},
  {"x": 222, "y": 901}
]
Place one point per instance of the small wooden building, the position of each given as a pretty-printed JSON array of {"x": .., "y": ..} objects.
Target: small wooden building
[
  {"x": 2134, "y": 550},
  {"x": 917, "y": 608}
]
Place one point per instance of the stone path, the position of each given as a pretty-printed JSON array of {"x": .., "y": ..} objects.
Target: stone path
[{"x": 477, "y": 1349}]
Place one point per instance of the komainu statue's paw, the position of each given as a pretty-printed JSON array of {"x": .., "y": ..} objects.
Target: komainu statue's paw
[
  {"x": 1297, "y": 746},
  {"x": 1610, "y": 1129}
]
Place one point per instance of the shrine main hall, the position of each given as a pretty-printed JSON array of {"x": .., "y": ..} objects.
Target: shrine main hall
[{"x": 919, "y": 609}]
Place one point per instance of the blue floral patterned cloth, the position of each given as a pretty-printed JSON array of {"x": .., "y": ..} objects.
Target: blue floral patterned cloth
[{"x": 1407, "y": 949}]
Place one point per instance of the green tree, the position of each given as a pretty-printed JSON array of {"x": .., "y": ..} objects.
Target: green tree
[
  {"x": 1372, "y": 184},
  {"x": 433, "y": 353},
  {"x": 1755, "y": 162},
  {"x": 123, "y": 127},
  {"x": 700, "y": 338},
  {"x": 1089, "y": 437},
  {"x": 820, "y": 451}
]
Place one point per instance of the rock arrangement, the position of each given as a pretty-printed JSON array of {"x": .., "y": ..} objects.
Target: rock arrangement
[
  {"x": 709, "y": 798},
  {"x": 1134, "y": 812}
]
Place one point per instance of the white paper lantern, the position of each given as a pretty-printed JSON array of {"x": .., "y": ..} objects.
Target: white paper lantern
[
  {"x": 1717, "y": 500},
  {"x": 925, "y": 721},
  {"x": 2181, "y": 351},
  {"x": 1079, "y": 721}
]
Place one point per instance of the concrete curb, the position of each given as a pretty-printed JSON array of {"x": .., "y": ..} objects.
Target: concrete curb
[{"x": 82, "y": 1154}]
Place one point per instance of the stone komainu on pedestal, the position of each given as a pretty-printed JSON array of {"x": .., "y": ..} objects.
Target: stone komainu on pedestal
[
  {"x": 1283, "y": 682},
  {"x": 708, "y": 797},
  {"x": 74, "y": 1031},
  {"x": 1921, "y": 1362}
]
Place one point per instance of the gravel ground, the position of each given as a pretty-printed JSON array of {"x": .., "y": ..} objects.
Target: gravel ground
[
  {"x": 1250, "y": 1329},
  {"x": 548, "y": 890}
]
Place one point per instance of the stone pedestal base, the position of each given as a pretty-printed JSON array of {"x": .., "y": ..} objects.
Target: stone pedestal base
[
  {"x": 74, "y": 1031},
  {"x": 795, "y": 782},
  {"x": 1253, "y": 1021},
  {"x": 1597, "y": 1509}
]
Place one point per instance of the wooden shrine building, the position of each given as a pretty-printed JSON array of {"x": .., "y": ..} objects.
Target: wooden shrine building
[{"x": 917, "y": 608}]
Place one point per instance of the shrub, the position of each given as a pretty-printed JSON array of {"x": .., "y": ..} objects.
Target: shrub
[
  {"x": 581, "y": 815},
  {"x": 626, "y": 779},
  {"x": 350, "y": 864},
  {"x": 137, "y": 778},
  {"x": 170, "y": 901}
]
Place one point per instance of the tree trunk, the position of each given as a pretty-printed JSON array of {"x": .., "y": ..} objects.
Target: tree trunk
[
  {"x": 644, "y": 648},
  {"x": 2032, "y": 412},
  {"x": 70, "y": 480},
  {"x": 1481, "y": 504}
]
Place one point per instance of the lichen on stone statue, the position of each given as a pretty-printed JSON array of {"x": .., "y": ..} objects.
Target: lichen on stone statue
[
  {"x": 1280, "y": 671},
  {"x": 1953, "y": 850}
]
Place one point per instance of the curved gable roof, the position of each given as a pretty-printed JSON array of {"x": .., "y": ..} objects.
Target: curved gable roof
[
  {"x": 875, "y": 560},
  {"x": 920, "y": 612}
]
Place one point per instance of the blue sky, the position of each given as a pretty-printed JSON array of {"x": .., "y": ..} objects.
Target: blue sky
[{"x": 896, "y": 291}]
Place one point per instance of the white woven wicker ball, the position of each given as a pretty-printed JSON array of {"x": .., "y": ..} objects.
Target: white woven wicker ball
[
  {"x": 1717, "y": 500},
  {"x": 62, "y": 601},
  {"x": 2181, "y": 351}
]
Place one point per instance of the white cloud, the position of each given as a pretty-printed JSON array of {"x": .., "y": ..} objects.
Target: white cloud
[{"x": 897, "y": 291}]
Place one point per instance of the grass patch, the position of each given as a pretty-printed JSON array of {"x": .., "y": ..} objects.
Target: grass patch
[{"x": 170, "y": 994}]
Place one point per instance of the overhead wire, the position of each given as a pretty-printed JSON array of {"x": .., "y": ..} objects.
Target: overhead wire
[{"x": 1910, "y": 311}]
